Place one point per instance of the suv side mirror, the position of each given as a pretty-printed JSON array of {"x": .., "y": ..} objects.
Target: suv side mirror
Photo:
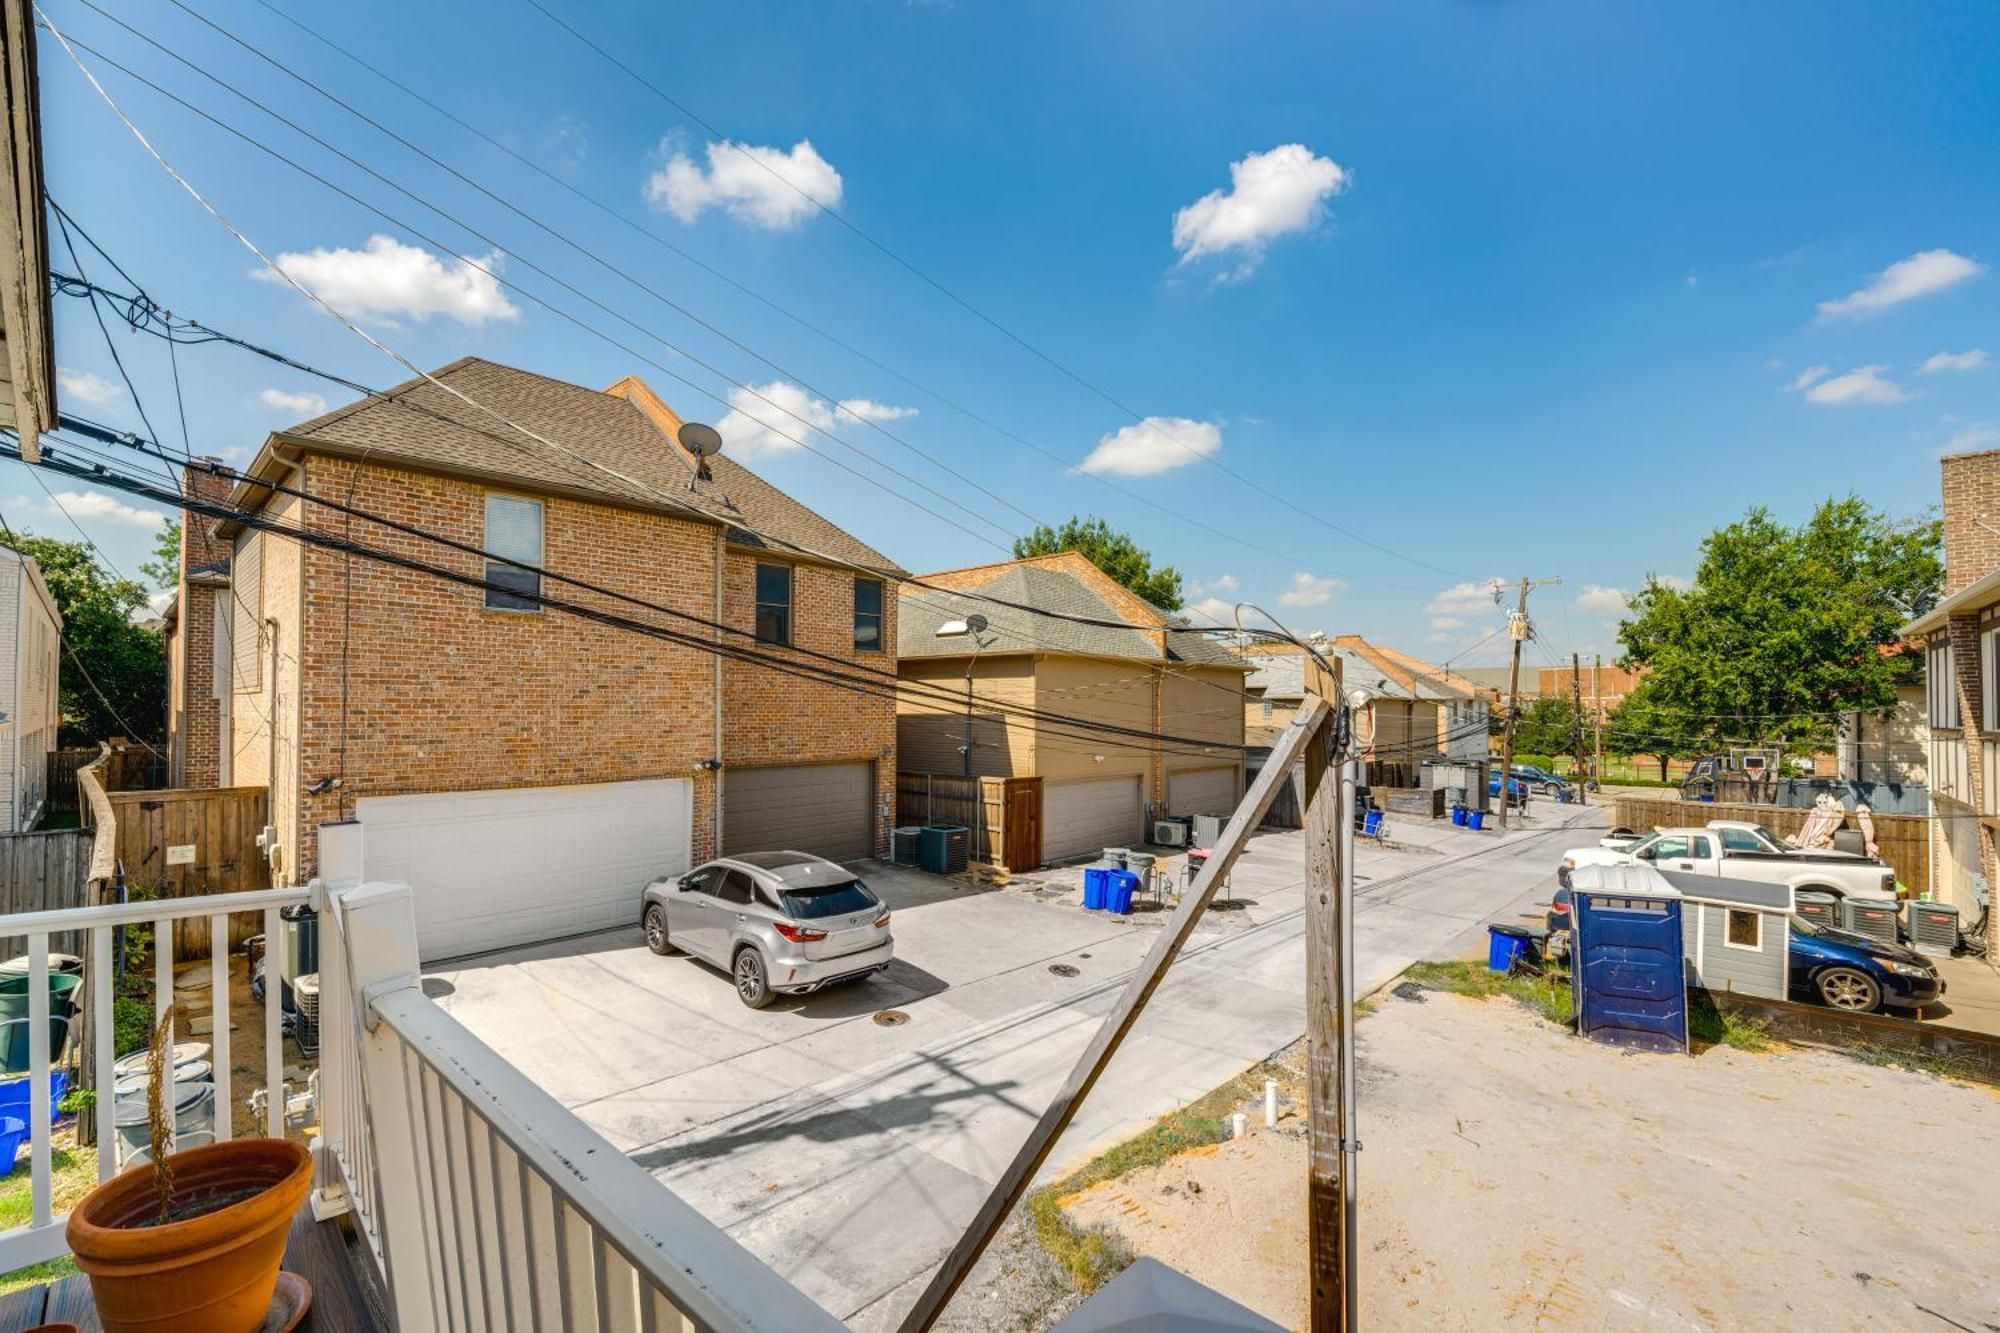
[{"x": 1644, "y": 853}]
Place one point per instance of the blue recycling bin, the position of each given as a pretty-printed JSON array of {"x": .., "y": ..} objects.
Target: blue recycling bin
[
  {"x": 1506, "y": 946},
  {"x": 1123, "y": 884},
  {"x": 1371, "y": 824},
  {"x": 1095, "y": 888},
  {"x": 1475, "y": 819},
  {"x": 1458, "y": 813}
]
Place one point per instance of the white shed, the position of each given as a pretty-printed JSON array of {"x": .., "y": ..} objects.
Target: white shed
[{"x": 30, "y": 642}]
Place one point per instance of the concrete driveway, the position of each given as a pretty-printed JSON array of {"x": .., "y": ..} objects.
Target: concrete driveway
[{"x": 849, "y": 1154}]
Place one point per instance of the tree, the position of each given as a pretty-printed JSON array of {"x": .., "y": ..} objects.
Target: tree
[
  {"x": 164, "y": 568},
  {"x": 1547, "y": 726},
  {"x": 1640, "y": 725},
  {"x": 1784, "y": 628},
  {"x": 126, "y": 662},
  {"x": 1113, "y": 552}
]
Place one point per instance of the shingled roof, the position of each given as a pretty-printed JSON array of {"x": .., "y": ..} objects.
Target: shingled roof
[
  {"x": 1067, "y": 586},
  {"x": 625, "y": 432}
]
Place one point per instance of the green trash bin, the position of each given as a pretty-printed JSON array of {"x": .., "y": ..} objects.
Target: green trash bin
[
  {"x": 14, "y": 1054},
  {"x": 15, "y": 996}
]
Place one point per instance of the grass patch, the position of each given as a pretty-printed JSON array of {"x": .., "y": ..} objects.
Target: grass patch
[
  {"x": 1093, "y": 1256},
  {"x": 1917, "y": 1062},
  {"x": 1548, "y": 995},
  {"x": 1710, "y": 1023},
  {"x": 72, "y": 1174}
]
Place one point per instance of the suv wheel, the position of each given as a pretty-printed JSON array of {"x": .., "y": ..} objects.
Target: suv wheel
[
  {"x": 752, "y": 987},
  {"x": 1846, "y": 988},
  {"x": 656, "y": 930}
]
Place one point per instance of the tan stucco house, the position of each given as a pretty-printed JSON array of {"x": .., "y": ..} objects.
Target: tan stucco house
[{"x": 1141, "y": 669}]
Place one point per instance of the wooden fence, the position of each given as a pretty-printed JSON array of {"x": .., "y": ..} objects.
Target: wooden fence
[
  {"x": 44, "y": 872},
  {"x": 126, "y": 766},
  {"x": 1004, "y": 814},
  {"x": 185, "y": 843},
  {"x": 1904, "y": 840}
]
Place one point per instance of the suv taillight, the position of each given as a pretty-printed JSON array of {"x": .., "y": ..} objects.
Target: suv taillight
[
  {"x": 797, "y": 934},
  {"x": 882, "y": 921}
]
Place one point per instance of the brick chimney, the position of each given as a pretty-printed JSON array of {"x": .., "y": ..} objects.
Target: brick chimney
[
  {"x": 1971, "y": 494},
  {"x": 195, "y": 714}
]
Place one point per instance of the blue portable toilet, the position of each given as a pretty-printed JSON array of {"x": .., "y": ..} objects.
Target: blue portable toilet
[{"x": 1628, "y": 963}]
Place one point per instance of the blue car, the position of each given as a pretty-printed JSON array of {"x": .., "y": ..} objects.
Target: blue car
[
  {"x": 1538, "y": 779},
  {"x": 1839, "y": 970}
]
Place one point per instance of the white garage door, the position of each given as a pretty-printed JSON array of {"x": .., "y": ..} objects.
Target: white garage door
[
  {"x": 1203, "y": 791},
  {"x": 1083, "y": 818},
  {"x": 489, "y": 869}
]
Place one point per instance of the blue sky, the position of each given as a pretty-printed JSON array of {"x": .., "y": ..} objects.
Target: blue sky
[{"x": 1507, "y": 289}]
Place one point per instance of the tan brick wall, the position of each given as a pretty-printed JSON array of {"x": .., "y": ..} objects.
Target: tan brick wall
[
  {"x": 1971, "y": 490},
  {"x": 775, "y": 718},
  {"x": 442, "y": 694},
  {"x": 194, "y": 714}
]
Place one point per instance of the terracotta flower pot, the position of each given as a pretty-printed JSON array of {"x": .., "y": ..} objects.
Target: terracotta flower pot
[{"x": 210, "y": 1273}]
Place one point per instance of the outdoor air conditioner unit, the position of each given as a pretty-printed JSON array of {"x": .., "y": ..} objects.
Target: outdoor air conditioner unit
[
  {"x": 942, "y": 849},
  {"x": 903, "y": 844},
  {"x": 1822, "y": 909},
  {"x": 305, "y": 1023},
  {"x": 1933, "y": 928},
  {"x": 1169, "y": 833},
  {"x": 1875, "y": 920}
]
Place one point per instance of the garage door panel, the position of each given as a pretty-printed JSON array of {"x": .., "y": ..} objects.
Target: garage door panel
[
  {"x": 1202, "y": 791},
  {"x": 1083, "y": 818},
  {"x": 824, "y": 809},
  {"x": 490, "y": 869}
]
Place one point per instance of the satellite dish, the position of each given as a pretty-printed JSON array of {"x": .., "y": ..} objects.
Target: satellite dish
[
  {"x": 976, "y": 623},
  {"x": 700, "y": 440}
]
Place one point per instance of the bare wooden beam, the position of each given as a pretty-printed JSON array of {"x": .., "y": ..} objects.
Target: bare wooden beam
[
  {"x": 1307, "y": 723},
  {"x": 1325, "y": 1251}
]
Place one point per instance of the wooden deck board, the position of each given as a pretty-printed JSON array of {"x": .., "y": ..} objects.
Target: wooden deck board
[{"x": 318, "y": 1250}]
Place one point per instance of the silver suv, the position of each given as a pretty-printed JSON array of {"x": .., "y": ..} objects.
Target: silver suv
[{"x": 780, "y": 923}]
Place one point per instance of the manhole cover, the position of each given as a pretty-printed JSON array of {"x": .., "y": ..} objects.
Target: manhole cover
[
  {"x": 1063, "y": 969},
  {"x": 889, "y": 1018},
  {"x": 1083, "y": 955}
]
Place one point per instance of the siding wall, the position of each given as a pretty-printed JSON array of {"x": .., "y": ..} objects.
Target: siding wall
[
  {"x": 1762, "y": 972},
  {"x": 29, "y": 673},
  {"x": 930, "y": 724},
  {"x": 1119, "y": 692}
]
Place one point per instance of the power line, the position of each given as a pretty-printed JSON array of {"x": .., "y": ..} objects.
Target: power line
[{"x": 966, "y": 305}]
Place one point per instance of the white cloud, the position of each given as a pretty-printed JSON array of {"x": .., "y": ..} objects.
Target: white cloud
[
  {"x": 867, "y": 411},
  {"x": 1971, "y": 360},
  {"x": 1978, "y": 435},
  {"x": 1157, "y": 444},
  {"x": 298, "y": 404},
  {"x": 88, "y": 506},
  {"x": 387, "y": 279},
  {"x": 1307, "y": 590},
  {"x": 759, "y": 425},
  {"x": 1222, "y": 583},
  {"x": 1440, "y": 638},
  {"x": 1674, "y": 581},
  {"x": 1447, "y": 622},
  {"x": 751, "y": 183},
  {"x": 1602, "y": 601},
  {"x": 83, "y": 384},
  {"x": 1463, "y": 599},
  {"x": 1865, "y": 385},
  {"x": 1921, "y": 274},
  {"x": 1270, "y": 195},
  {"x": 1214, "y": 610},
  {"x": 1807, "y": 377}
]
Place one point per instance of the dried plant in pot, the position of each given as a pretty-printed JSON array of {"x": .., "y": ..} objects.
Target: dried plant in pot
[{"x": 191, "y": 1242}]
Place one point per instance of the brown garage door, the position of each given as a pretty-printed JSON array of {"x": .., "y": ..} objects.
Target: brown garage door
[{"x": 819, "y": 808}]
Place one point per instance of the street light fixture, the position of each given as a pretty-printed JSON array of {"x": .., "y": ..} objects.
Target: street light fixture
[{"x": 973, "y": 626}]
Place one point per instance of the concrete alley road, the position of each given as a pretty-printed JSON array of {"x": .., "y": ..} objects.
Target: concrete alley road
[{"x": 853, "y": 1178}]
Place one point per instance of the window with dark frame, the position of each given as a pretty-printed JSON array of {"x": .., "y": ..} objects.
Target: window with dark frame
[
  {"x": 1745, "y": 929},
  {"x": 513, "y": 532},
  {"x": 867, "y": 615},
  {"x": 774, "y": 604}
]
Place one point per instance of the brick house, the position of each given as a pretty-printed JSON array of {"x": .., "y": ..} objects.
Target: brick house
[
  {"x": 1147, "y": 672},
  {"x": 525, "y": 769},
  {"x": 1961, "y": 638},
  {"x": 1411, "y": 715}
]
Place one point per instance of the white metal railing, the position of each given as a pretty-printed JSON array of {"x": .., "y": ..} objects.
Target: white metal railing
[
  {"x": 41, "y": 1237},
  {"x": 485, "y": 1203}
]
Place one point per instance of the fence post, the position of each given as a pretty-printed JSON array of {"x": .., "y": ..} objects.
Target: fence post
[{"x": 379, "y": 946}]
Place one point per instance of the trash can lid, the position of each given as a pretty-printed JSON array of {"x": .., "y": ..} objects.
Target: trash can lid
[
  {"x": 187, "y": 1093},
  {"x": 1513, "y": 931},
  {"x": 194, "y": 1071},
  {"x": 58, "y": 962},
  {"x": 183, "y": 1052}
]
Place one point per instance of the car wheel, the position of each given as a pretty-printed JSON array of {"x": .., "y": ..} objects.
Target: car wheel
[
  {"x": 656, "y": 930},
  {"x": 1846, "y": 988},
  {"x": 752, "y": 987}
]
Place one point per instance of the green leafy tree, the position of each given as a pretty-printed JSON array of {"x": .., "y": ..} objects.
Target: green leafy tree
[
  {"x": 1641, "y": 725},
  {"x": 1783, "y": 627},
  {"x": 164, "y": 568},
  {"x": 1114, "y": 553},
  {"x": 113, "y": 672},
  {"x": 1547, "y": 726}
]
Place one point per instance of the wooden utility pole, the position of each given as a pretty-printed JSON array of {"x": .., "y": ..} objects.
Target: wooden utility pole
[
  {"x": 1517, "y": 630},
  {"x": 1329, "y": 837},
  {"x": 1597, "y": 707},
  {"x": 1576, "y": 715}
]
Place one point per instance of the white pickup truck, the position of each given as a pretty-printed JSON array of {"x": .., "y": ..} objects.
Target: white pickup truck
[{"x": 1731, "y": 850}]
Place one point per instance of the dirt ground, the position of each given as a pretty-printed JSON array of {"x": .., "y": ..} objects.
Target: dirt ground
[{"x": 1515, "y": 1176}]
